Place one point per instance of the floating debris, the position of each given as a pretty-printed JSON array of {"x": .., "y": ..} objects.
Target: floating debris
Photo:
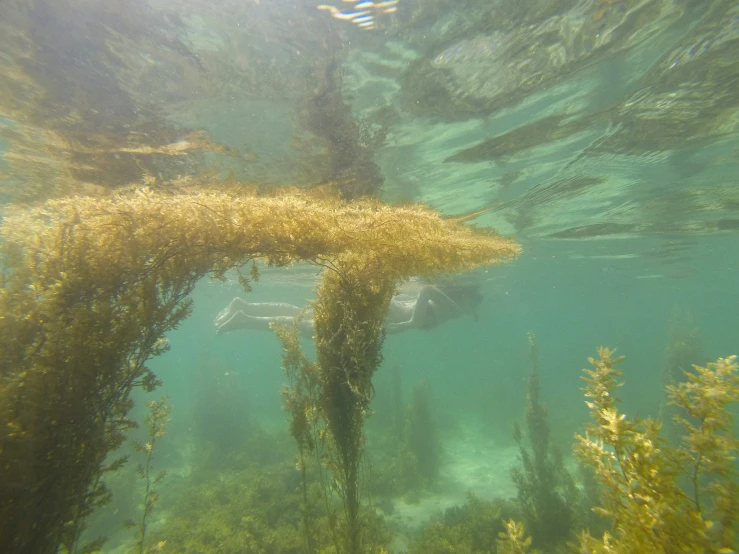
[{"x": 363, "y": 12}]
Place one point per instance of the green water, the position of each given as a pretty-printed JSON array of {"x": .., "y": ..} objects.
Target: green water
[{"x": 602, "y": 135}]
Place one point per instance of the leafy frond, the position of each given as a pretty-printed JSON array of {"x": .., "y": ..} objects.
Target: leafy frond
[{"x": 640, "y": 474}]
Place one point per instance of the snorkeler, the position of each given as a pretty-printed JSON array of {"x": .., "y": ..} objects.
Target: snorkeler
[{"x": 426, "y": 308}]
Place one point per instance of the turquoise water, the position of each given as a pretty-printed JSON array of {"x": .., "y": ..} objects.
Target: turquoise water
[{"x": 600, "y": 134}]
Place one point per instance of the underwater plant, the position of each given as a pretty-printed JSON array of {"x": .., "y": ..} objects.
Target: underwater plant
[
  {"x": 255, "y": 503},
  {"x": 388, "y": 411},
  {"x": 471, "y": 528},
  {"x": 546, "y": 491},
  {"x": 301, "y": 398},
  {"x": 514, "y": 540},
  {"x": 422, "y": 435},
  {"x": 684, "y": 349},
  {"x": 405, "y": 452},
  {"x": 90, "y": 286},
  {"x": 156, "y": 423},
  {"x": 640, "y": 474},
  {"x": 251, "y": 507},
  {"x": 396, "y": 402},
  {"x": 352, "y": 300}
]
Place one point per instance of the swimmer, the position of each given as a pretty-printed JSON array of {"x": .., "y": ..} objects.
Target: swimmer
[{"x": 424, "y": 308}]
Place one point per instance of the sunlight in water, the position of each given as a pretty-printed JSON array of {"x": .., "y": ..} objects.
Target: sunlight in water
[{"x": 360, "y": 251}]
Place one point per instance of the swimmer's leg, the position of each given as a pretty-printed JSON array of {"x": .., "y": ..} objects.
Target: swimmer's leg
[
  {"x": 241, "y": 320},
  {"x": 262, "y": 309}
]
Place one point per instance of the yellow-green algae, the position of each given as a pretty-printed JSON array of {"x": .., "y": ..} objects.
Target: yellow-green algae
[{"x": 91, "y": 285}]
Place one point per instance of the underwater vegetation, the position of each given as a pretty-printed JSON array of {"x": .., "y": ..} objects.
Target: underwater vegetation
[
  {"x": 406, "y": 448},
  {"x": 513, "y": 539},
  {"x": 547, "y": 495},
  {"x": 684, "y": 349},
  {"x": 650, "y": 496},
  {"x": 352, "y": 300},
  {"x": 471, "y": 528},
  {"x": 90, "y": 286},
  {"x": 252, "y": 501},
  {"x": 242, "y": 512},
  {"x": 641, "y": 475},
  {"x": 422, "y": 435},
  {"x": 156, "y": 422},
  {"x": 254, "y": 507},
  {"x": 404, "y": 445},
  {"x": 331, "y": 400}
]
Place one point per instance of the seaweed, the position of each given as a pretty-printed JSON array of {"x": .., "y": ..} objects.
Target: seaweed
[
  {"x": 422, "y": 435},
  {"x": 404, "y": 446},
  {"x": 156, "y": 422},
  {"x": 90, "y": 286},
  {"x": 547, "y": 496},
  {"x": 251, "y": 509},
  {"x": 639, "y": 473},
  {"x": 513, "y": 539},
  {"x": 684, "y": 349},
  {"x": 472, "y": 528}
]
